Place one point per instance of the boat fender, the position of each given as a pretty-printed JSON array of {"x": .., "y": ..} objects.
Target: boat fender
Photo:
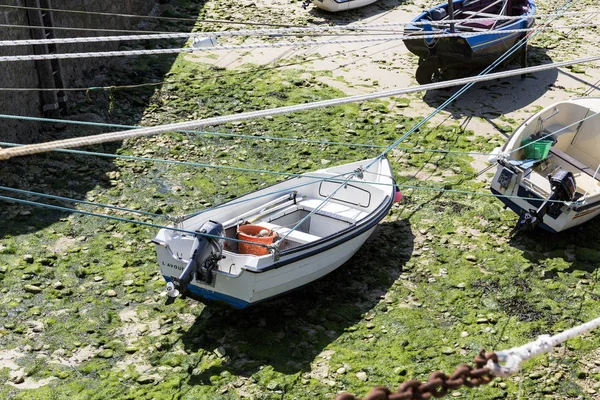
[
  {"x": 398, "y": 196},
  {"x": 438, "y": 14},
  {"x": 397, "y": 193},
  {"x": 495, "y": 155}
]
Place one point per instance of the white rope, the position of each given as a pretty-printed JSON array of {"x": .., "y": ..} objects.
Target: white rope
[
  {"x": 245, "y": 32},
  {"x": 140, "y": 132},
  {"x": 314, "y": 29},
  {"x": 62, "y": 56},
  {"x": 513, "y": 358}
]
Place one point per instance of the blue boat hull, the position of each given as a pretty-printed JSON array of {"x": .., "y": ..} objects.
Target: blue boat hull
[{"x": 472, "y": 48}]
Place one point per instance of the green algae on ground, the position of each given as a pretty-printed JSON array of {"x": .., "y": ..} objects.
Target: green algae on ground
[{"x": 440, "y": 280}]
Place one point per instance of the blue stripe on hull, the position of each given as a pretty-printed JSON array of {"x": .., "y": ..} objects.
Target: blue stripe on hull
[{"x": 197, "y": 291}]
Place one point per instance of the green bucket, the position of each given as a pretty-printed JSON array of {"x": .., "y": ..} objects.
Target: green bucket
[{"x": 538, "y": 150}]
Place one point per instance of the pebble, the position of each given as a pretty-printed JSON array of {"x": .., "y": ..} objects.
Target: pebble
[
  {"x": 362, "y": 376},
  {"x": 32, "y": 289},
  {"x": 108, "y": 353},
  {"x": 98, "y": 278},
  {"x": 464, "y": 334},
  {"x": 341, "y": 371},
  {"x": 145, "y": 379},
  {"x": 128, "y": 282},
  {"x": 220, "y": 351},
  {"x": 111, "y": 293},
  {"x": 58, "y": 285},
  {"x": 470, "y": 257},
  {"x": 28, "y": 258}
]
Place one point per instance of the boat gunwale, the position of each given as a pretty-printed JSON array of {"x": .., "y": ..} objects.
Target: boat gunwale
[{"x": 330, "y": 241}]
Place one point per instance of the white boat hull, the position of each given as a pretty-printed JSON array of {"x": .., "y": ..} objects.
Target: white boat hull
[
  {"x": 523, "y": 184},
  {"x": 338, "y": 228},
  {"x": 341, "y": 5},
  {"x": 251, "y": 287}
]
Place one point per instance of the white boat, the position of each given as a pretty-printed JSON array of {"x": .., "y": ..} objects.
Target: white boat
[
  {"x": 339, "y": 5},
  {"x": 311, "y": 224},
  {"x": 548, "y": 170}
]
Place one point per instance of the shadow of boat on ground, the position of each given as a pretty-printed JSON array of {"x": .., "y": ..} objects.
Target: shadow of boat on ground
[
  {"x": 288, "y": 332},
  {"x": 579, "y": 247},
  {"x": 500, "y": 96}
]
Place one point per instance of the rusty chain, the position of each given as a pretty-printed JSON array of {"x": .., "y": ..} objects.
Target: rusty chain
[{"x": 438, "y": 383}]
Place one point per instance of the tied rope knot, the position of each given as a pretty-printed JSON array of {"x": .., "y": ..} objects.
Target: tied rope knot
[{"x": 514, "y": 358}]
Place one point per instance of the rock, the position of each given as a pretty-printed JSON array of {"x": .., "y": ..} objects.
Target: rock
[
  {"x": 18, "y": 379},
  {"x": 341, "y": 371},
  {"x": 470, "y": 257},
  {"x": 58, "y": 285},
  {"x": 128, "y": 282},
  {"x": 110, "y": 293},
  {"x": 362, "y": 376},
  {"x": 28, "y": 258},
  {"x": 108, "y": 353},
  {"x": 146, "y": 379},
  {"x": 32, "y": 289},
  {"x": 220, "y": 352},
  {"x": 464, "y": 334}
]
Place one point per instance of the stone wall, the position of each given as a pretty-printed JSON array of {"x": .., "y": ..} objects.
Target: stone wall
[{"x": 76, "y": 73}]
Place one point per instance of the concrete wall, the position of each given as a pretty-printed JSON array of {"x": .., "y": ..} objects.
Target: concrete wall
[
  {"x": 75, "y": 73},
  {"x": 17, "y": 74}
]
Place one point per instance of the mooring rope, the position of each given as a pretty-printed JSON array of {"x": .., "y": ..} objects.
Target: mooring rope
[
  {"x": 513, "y": 358},
  {"x": 286, "y": 32},
  {"x": 155, "y": 17},
  {"x": 236, "y": 136},
  {"x": 149, "y": 131},
  {"x": 120, "y": 53}
]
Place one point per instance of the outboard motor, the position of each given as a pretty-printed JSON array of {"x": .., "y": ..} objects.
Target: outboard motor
[
  {"x": 563, "y": 188},
  {"x": 206, "y": 252}
]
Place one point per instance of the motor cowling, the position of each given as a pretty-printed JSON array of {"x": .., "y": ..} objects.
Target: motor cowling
[
  {"x": 563, "y": 184},
  {"x": 204, "y": 257}
]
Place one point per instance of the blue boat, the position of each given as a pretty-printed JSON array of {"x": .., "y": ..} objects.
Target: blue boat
[{"x": 474, "y": 47}]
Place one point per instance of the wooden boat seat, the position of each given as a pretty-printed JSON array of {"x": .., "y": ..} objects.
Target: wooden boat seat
[{"x": 574, "y": 162}]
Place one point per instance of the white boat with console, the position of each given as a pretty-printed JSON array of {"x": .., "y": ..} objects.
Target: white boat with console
[
  {"x": 276, "y": 239},
  {"x": 548, "y": 171}
]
